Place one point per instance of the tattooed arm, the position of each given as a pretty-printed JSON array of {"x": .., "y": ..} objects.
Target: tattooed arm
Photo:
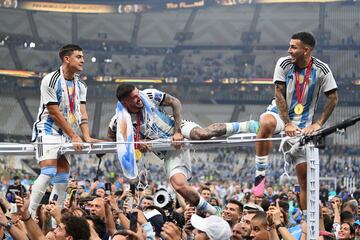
[
  {"x": 332, "y": 100},
  {"x": 280, "y": 93},
  {"x": 176, "y": 108}
]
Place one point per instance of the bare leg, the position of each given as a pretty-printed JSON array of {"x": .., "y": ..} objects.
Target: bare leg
[
  {"x": 301, "y": 172},
  {"x": 180, "y": 185},
  {"x": 267, "y": 128},
  {"x": 214, "y": 130},
  {"x": 224, "y": 129}
]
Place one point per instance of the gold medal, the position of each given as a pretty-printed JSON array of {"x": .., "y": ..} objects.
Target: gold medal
[
  {"x": 299, "y": 109},
  {"x": 138, "y": 154},
  {"x": 72, "y": 118}
]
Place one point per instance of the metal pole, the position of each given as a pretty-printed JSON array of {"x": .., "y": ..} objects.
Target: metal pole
[{"x": 312, "y": 156}]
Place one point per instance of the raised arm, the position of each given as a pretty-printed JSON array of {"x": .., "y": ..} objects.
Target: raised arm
[{"x": 32, "y": 228}]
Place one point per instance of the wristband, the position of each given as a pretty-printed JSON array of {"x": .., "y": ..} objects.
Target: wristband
[
  {"x": 83, "y": 121},
  {"x": 26, "y": 219},
  {"x": 277, "y": 226}
]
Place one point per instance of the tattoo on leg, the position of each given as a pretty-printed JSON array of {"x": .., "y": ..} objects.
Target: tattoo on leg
[{"x": 214, "y": 130}]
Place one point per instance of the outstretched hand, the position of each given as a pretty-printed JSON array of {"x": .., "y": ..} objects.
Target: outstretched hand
[
  {"x": 311, "y": 129},
  {"x": 170, "y": 231},
  {"x": 22, "y": 205}
]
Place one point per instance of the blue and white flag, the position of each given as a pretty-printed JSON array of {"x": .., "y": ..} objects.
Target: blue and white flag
[
  {"x": 125, "y": 133},
  {"x": 126, "y": 151}
]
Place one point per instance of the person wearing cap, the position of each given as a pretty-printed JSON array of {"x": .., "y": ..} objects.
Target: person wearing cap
[
  {"x": 213, "y": 228},
  {"x": 155, "y": 218},
  {"x": 251, "y": 207}
]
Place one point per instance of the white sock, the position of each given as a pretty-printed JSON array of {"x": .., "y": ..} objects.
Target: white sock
[
  {"x": 37, "y": 192},
  {"x": 261, "y": 165},
  {"x": 235, "y": 127},
  {"x": 60, "y": 182},
  {"x": 60, "y": 190},
  {"x": 204, "y": 206},
  {"x": 304, "y": 212}
]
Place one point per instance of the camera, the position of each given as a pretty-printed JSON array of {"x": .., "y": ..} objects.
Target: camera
[{"x": 163, "y": 199}]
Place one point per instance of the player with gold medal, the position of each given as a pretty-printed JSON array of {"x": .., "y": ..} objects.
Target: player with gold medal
[
  {"x": 138, "y": 153},
  {"x": 299, "y": 107},
  {"x": 71, "y": 96}
]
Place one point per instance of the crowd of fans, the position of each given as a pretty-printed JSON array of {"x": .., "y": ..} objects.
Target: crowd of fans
[
  {"x": 123, "y": 210},
  {"x": 110, "y": 207},
  {"x": 227, "y": 164}
]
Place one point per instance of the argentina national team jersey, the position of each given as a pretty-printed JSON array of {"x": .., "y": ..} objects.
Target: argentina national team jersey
[
  {"x": 162, "y": 125},
  {"x": 52, "y": 92},
  {"x": 320, "y": 80}
]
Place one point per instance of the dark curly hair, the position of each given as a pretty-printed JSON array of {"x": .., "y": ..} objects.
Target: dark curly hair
[{"x": 77, "y": 227}]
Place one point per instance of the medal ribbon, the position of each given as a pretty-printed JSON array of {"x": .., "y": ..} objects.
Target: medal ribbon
[
  {"x": 72, "y": 98},
  {"x": 137, "y": 131},
  {"x": 299, "y": 95}
]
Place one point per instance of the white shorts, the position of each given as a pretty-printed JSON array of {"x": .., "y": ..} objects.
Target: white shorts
[
  {"x": 178, "y": 161},
  {"x": 280, "y": 125},
  {"x": 186, "y": 127},
  {"x": 49, "y": 150},
  {"x": 299, "y": 155}
]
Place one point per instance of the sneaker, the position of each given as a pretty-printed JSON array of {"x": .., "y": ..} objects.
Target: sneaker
[
  {"x": 258, "y": 189},
  {"x": 253, "y": 126}
]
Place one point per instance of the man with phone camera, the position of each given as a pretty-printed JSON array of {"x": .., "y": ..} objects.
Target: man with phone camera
[
  {"x": 15, "y": 189},
  {"x": 108, "y": 191}
]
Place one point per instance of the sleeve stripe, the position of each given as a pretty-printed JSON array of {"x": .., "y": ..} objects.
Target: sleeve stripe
[
  {"x": 81, "y": 81},
  {"x": 322, "y": 66},
  {"x": 54, "y": 78},
  {"x": 162, "y": 99},
  {"x": 284, "y": 63}
]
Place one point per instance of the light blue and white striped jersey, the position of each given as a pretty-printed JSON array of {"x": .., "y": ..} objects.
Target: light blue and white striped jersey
[
  {"x": 52, "y": 92},
  {"x": 320, "y": 80},
  {"x": 162, "y": 124}
]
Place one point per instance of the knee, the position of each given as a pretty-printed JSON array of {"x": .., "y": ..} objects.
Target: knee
[
  {"x": 178, "y": 182},
  {"x": 198, "y": 134},
  {"x": 267, "y": 125}
]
